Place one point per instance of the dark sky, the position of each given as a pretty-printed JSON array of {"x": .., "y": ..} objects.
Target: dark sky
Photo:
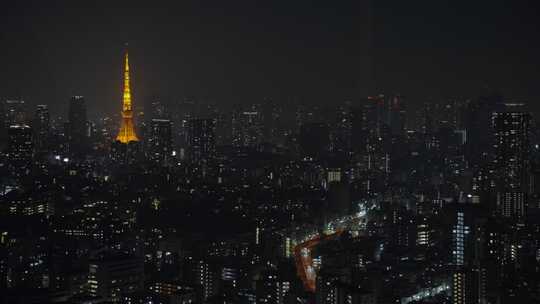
[{"x": 238, "y": 51}]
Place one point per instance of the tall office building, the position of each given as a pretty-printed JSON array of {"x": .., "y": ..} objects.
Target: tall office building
[
  {"x": 41, "y": 127},
  {"x": 113, "y": 277},
  {"x": 201, "y": 140},
  {"x": 465, "y": 250},
  {"x": 19, "y": 144},
  {"x": 155, "y": 109},
  {"x": 206, "y": 280},
  {"x": 398, "y": 115},
  {"x": 478, "y": 128},
  {"x": 77, "y": 126},
  {"x": 462, "y": 220},
  {"x": 367, "y": 121},
  {"x": 14, "y": 112},
  {"x": 271, "y": 288},
  {"x": 341, "y": 131},
  {"x": 460, "y": 236},
  {"x": 511, "y": 160},
  {"x": 270, "y": 120},
  {"x": 3, "y": 131},
  {"x": 314, "y": 140},
  {"x": 335, "y": 287},
  {"x": 359, "y": 128},
  {"x": 247, "y": 127},
  {"x": 466, "y": 287},
  {"x": 160, "y": 140}
]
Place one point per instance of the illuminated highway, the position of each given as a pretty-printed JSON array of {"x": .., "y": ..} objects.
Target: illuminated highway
[
  {"x": 304, "y": 263},
  {"x": 302, "y": 251}
]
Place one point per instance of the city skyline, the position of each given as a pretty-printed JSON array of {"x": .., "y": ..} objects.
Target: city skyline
[
  {"x": 328, "y": 54},
  {"x": 249, "y": 152}
]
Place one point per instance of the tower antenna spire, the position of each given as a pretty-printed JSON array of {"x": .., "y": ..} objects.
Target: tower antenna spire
[{"x": 127, "y": 130}]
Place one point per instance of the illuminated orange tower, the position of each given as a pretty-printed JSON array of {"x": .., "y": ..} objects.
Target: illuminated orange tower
[{"x": 127, "y": 128}]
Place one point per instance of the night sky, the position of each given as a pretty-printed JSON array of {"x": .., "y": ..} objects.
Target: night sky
[{"x": 242, "y": 51}]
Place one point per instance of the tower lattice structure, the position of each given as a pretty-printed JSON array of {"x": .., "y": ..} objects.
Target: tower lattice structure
[{"x": 127, "y": 127}]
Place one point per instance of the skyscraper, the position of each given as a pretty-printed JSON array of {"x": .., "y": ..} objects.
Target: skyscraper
[
  {"x": 41, "y": 127},
  {"x": 19, "y": 143},
  {"x": 127, "y": 133},
  {"x": 77, "y": 126},
  {"x": 271, "y": 288},
  {"x": 201, "y": 140},
  {"x": 465, "y": 250},
  {"x": 205, "y": 279},
  {"x": 112, "y": 277},
  {"x": 511, "y": 148},
  {"x": 160, "y": 140},
  {"x": 14, "y": 112},
  {"x": 341, "y": 131},
  {"x": 398, "y": 115},
  {"x": 465, "y": 286},
  {"x": 155, "y": 109},
  {"x": 478, "y": 127},
  {"x": 247, "y": 127},
  {"x": 314, "y": 140}
]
